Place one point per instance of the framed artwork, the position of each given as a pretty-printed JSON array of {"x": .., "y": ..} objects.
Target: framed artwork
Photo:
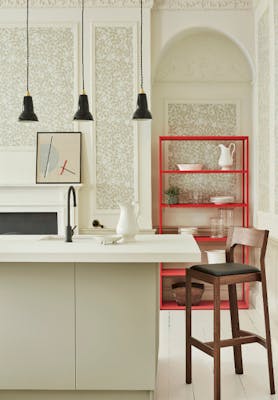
[{"x": 58, "y": 158}]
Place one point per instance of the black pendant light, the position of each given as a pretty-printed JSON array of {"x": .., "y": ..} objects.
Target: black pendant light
[
  {"x": 142, "y": 111},
  {"x": 27, "y": 114},
  {"x": 83, "y": 112}
]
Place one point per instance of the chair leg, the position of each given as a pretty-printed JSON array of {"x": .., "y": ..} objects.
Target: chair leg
[
  {"x": 268, "y": 336},
  {"x": 216, "y": 351},
  {"x": 188, "y": 361},
  {"x": 235, "y": 328}
]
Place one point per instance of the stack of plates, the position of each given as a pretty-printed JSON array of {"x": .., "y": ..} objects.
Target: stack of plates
[{"x": 222, "y": 199}]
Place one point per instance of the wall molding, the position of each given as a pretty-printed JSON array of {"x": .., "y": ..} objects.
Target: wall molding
[{"x": 157, "y": 4}]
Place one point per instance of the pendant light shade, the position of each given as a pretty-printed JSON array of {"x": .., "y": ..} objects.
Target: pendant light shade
[
  {"x": 27, "y": 114},
  {"x": 142, "y": 112},
  {"x": 83, "y": 112}
]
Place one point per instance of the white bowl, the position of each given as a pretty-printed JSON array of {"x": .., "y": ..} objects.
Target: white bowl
[{"x": 189, "y": 167}]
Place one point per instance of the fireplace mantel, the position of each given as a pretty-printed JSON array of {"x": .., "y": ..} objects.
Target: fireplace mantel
[{"x": 39, "y": 198}]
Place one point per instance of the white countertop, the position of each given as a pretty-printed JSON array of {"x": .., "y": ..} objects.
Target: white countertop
[{"x": 146, "y": 248}]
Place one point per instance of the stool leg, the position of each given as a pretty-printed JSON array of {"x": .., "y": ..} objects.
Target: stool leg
[
  {"x": 268, "y": 336},
  {"x": 188, "y": 362},
  {"x": 216, "y": 347},
  {"x": 235, "y": 328}
]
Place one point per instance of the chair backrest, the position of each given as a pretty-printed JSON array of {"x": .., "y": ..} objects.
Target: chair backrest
[{"x": 247, "y": 237}]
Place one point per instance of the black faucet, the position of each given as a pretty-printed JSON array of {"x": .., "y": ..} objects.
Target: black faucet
[{"x": 69, "y": 229}]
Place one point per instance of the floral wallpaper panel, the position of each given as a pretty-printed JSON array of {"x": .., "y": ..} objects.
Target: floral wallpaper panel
[
  {"x": 263, "y": 111},
  {"x": 202, "y": 119},
  {"x": 114, "y": 108},
  {"x": 51, "y": 67}
]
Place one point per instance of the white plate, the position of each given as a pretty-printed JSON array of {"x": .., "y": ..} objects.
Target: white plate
[{"x": 222, "y": 199}]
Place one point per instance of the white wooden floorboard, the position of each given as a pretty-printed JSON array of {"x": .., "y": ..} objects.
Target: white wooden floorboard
[
  {"x": 252, "y": 385},
  {"x": 162, "y": 392}
]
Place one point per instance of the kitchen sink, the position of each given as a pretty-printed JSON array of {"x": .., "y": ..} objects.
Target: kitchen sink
[{"x": 100, "y": 239}]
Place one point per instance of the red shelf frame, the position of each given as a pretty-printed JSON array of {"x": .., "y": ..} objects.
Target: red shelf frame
[
  {"x": 244, "y": 205},
  {"x": 204, "y": 171},
  {"x": 203, "y": 205}
]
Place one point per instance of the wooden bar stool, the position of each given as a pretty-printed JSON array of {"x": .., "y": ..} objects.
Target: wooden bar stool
[{"x": 230, "y": 274}]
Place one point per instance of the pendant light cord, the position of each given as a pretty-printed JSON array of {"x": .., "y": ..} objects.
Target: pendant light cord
[
  {"x": 141, "y": 45},
  {"x": 27, "y": 45},
  {"x": 82, "y": 27}
]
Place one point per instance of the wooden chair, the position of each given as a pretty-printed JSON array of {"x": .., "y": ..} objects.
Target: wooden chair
[{"x": 230, "y": 274}]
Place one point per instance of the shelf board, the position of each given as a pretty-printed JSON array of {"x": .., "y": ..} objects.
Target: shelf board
[
  {"x": 204, "y": 305},
  {"x": 204, "y": 171},
  {"x": 195, "y": 137},
  {"x": 203, "y": 205},
  {"x": 173, "y": 272},
  {"x": 209, "y": 239},
  {"x": 198, "y": 238}
]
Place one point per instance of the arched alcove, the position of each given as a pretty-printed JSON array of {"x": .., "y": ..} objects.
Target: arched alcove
[{"x": 200, "y": 73}]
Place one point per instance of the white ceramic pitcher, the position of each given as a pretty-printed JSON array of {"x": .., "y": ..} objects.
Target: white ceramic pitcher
[
  {"x": 127, "y": 225},
  {"x": 226, "y": 156}
]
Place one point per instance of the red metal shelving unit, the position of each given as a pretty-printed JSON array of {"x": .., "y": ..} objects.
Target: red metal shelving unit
[{"x": 243, "y": 205}]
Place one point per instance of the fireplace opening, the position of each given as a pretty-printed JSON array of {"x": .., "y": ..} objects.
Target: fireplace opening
[{"x": 28, "y": 223}]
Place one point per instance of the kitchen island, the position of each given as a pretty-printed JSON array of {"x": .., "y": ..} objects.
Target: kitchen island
[{"x": 80, "y": 320}]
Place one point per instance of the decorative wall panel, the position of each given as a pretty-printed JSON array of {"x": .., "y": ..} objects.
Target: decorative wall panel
[
  {"x": 263, "y": 111},
  {"x": 51, "y": 67},
  {"x": 202, "y": 119},
  {"x": 276, "y": 103},
  {"x": 114, "y": 107}
]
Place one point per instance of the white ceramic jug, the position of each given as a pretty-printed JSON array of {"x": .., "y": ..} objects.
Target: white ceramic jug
[
  {"x": 127, "y": 225},
  {"x": 226, "y": 156}
]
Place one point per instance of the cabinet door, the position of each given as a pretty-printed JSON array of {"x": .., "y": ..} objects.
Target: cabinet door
[
  {"x": 116, "y": 326},
  {"x": 37, "y": 326}
]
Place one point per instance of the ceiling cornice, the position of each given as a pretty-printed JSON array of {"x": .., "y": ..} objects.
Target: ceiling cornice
[
  {"x": 74, "y": 3},
  {"x": 157, "y": 4},
  {"x": 203, "y": 4}
]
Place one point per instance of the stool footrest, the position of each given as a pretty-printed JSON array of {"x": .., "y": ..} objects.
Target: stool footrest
[
  {"x": 205, "y": 347},
  {"x": 259, "y": 338},
  {"x": 244, "y": 338}
]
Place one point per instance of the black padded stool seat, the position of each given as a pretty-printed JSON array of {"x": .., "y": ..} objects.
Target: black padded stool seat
[{"x": 224, "y": 269}]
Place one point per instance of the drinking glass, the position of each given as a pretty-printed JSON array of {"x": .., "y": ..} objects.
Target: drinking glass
[
  {"x": 229, "y": 217},
  {"x": 216, "y": 227}
]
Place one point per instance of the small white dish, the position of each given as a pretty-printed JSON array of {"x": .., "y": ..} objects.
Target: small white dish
[
  {"x": 107, "y": 239},
  {"x": 189, "y": 167}
]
